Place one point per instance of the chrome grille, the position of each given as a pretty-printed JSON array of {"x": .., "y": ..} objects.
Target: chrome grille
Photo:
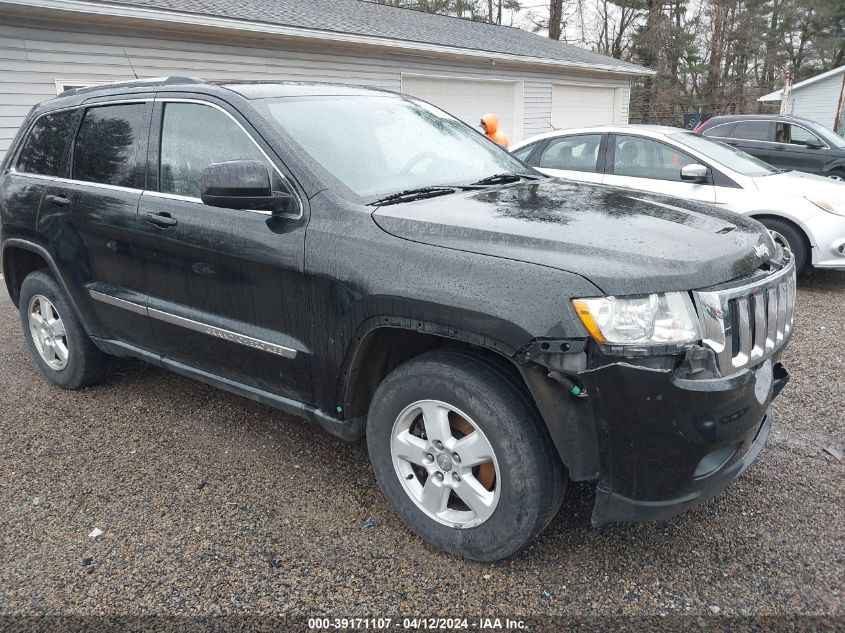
[{"x": 747, "y": 324}]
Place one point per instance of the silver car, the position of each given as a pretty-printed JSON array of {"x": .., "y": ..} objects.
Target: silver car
[{"x": 804, "y": 212}]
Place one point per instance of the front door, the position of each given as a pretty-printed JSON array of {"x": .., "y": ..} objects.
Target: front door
[
  {"x": 649, "y": 165},
  {"x": 226, "y": 287},
  {"x": 791, "y": 151},
  {"x": 90, "y": 218}
]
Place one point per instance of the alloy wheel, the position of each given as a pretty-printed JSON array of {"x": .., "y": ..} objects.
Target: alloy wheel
[
  {"x": 48, "y": 332},
  {"x": 446, "y": 464}
]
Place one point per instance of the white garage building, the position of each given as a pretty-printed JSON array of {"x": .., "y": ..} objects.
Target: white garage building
[{"x": 467, "y": 68}]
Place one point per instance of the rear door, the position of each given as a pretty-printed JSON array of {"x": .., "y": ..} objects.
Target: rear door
[
  {"x": 650, "y": 165},
  {"x": 43, "y": 157},
  {"x": 790, "y": 150},
  {"x": 577, "y": 157},
  {"x": 226, "y": 287},
  {"x": 90, "y": 218}
]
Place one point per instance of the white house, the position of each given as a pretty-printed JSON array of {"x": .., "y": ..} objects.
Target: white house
[
  {"x": 820, "y": 99},
  {"x": 467, "y": 68}
]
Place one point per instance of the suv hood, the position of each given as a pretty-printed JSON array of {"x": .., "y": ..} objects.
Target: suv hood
[{"x": 625, "y": 242}]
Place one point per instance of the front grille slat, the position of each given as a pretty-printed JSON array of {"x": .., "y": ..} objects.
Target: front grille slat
[
  {"x": 760, "y": 329},
  {"x": 748, "y": 324}
]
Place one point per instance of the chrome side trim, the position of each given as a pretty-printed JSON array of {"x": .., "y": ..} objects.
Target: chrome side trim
[
  {"x": 195, "y": 326},
  {"x": 137, "y": 308}
]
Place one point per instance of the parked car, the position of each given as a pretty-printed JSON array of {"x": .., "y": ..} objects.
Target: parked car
[
  {"x": 492, "y": 331},
  {"x": 805, "y": 213},
  {"x": 787, "y": 142}
]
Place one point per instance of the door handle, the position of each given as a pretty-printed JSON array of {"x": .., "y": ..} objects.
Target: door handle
[
  {"x": 59, "y": 201},
  {"x": 163, "y": 220},
  {"x": 780, "y": 147}
]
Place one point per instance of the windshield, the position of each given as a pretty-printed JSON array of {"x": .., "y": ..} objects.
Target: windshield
[
  {"x": 725, "y": 155},
  {"x": 380, "y": 145}
]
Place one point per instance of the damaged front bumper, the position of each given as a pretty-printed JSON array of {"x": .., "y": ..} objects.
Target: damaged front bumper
[{"x": 667, "y": 442}]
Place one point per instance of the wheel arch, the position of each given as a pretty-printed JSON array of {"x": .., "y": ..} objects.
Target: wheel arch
[
  {"x": 569, "y": 424},
  {"x": 20, "y": 258}
]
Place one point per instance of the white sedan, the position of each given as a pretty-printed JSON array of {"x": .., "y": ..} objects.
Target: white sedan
[{"x": 804, "y": 212}]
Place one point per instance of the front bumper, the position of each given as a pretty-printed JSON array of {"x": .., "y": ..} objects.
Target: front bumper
[
  {"x": 667, "y": 443},
  {"x": 827, "y": 234}
]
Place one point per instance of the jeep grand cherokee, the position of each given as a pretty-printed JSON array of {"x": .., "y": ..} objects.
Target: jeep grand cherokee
[{"x": 365, "y": 260}]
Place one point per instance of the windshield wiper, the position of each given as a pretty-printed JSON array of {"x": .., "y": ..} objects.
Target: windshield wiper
[
  {"x": 503, "y": 179},
  {"x": 409, "y": 195}
]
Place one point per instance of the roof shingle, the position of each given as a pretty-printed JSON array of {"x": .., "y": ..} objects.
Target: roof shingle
[{"x": 364, "y": 18}]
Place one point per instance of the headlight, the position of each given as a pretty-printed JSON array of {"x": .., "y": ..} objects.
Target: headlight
[
  {"x": 837, "y": 207},
  {"x": 648, "y": 320}
]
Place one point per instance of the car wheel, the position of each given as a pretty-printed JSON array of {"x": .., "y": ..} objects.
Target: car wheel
[
  {"x": 837, "y": 174},
  {"x": 786, "y": 235},
  {"x": 56, "y": 340},
  {"x": 462, "y": 455}
]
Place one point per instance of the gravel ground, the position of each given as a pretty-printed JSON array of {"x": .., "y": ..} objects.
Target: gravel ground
[{"x": 211, "y": 504}]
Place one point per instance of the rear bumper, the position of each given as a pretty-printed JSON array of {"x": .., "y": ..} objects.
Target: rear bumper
[{"x": 667, "y": 443}]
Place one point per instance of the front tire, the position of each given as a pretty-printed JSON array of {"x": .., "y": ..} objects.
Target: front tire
[
  {"x": 56, "y": 340},
  {"x": 786, "y": 234},
  {"x": 462, "y": 455}
]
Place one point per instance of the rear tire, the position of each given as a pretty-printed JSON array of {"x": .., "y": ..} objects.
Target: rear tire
[
  {"x": 56, "y": 340},
  {"x": 483, "y": 510},
  {"x": 787, "y": 235}
]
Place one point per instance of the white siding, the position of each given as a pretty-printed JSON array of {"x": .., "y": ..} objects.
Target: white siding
[
  {"x": 818, "y": 101},
  {"x": 34, "y": 56}
]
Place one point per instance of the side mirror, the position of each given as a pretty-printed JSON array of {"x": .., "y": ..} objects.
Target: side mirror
[
  {"x": 237, "y": 184},
  {"x": 694, "y": 173},
  {"x": 815, "y": 144}
]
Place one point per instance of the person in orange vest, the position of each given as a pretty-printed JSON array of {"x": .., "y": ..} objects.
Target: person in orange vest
[{"x": 490, "y": 125}]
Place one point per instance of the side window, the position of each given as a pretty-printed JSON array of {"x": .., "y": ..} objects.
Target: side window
[
  {"x": 794, "y": 134},
  {"x": 107, "y": 145},
  {"x": 645, "y": 158},
  {"x": 194, "y": 136},
  {"x": 524, "y": 152},
  {"x": 723, "y": 130},
  {"x": 575, "y": 153},
  {"x": 45, "y": 146},
  {"x": 753, "y": 131}
]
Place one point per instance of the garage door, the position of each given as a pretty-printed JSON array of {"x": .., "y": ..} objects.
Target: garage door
[
  {"x": 468, "y": 99},
  {"x": 577, "y": 106}
]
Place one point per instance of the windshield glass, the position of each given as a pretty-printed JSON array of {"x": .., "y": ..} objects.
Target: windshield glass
[
  {"x": 379, "y": 145},
  {"x": 725, "y": 155}
]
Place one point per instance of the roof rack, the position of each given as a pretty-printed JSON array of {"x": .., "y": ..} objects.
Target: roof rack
[{"x": 133, "y": 83}]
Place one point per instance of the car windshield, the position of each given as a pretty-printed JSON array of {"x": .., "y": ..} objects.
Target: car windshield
[
  {"x": 725, "y": 155},
  {"x": 381, "y": 145}
]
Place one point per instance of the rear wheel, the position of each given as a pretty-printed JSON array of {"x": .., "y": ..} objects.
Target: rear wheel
[
  {"x": 786, "y": 235},
  {"x": 56, "y": 340},
  {"x": 462, "y": 455}
]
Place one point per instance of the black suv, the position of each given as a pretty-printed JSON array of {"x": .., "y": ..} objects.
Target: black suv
[
  {"x": 365, "y": 260},
  {"x": 787, "y": 142}
]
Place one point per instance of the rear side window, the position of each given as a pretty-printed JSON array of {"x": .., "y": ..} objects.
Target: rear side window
[
  {"x": 45, "y": 146},
  {"x": 193, "y": 136},
  {"x": 754, "y": 131},
  {"x": 575, "y": 153},
  {"x": 107, "y": 145}
]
